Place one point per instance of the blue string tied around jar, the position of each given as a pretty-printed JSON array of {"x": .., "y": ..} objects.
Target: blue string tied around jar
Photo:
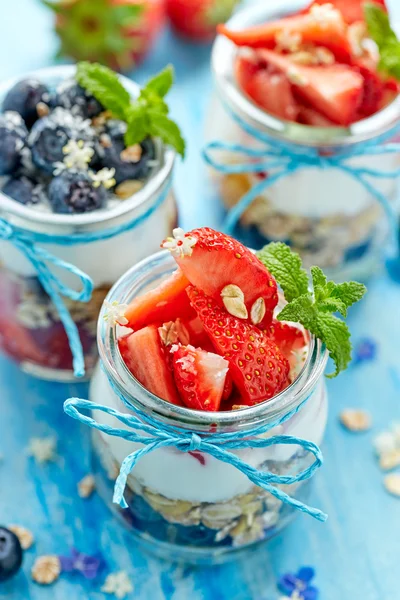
[
  {"x": 152, "y": 434},
  {"x": 281, "y": 159},
  {"x": 26, "y": 241}
]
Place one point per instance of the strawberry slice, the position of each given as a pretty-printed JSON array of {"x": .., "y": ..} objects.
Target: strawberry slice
[
  {"x": 351, "y": 10},
  {"x": 228, "y": 387},
  {"x": 373, "y": 91},
  {"x": 267, "y": 87},
  {"x": 197, "y": 334},
  {"x": 200, "y": 377},
  {"x": 144, "y": 356},
  {"x": 287, "y": 337},
  {"x": 217, "y": 260},
  {"x": 306, "y": 28},
  {"x": 164, "y": 303},
  {"x": 258, "y": 368},
  {"x": 334, "y": 90}
]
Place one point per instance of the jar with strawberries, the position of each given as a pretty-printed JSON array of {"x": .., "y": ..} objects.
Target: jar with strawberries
[
  {"x": 210, "y": 402},
  {"x": 85, "y": 193},
  {"x": 301, "y": 129}
]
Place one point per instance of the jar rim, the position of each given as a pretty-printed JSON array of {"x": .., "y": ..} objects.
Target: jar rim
[
  {"x": 138, "y": 397},
  {"x": 34, "y": 219},
  {"x": 222, "y": 61}
]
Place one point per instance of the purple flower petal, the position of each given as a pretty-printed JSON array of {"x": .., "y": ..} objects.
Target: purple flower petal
[
  {"x": 67, "y": 564},
  {"x": 306, "y": 574},
  {"x": 311, "y": 593},
  {"x": 288, "y": 583},
  {"x": 365, "y": 350},
  {"x": 88, "y": 566}
]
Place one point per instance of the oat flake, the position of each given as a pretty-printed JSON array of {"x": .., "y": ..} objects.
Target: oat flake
[
  {"x": 24, "y": 535},
  {"x": 392, "y": 484},
  {"x": 86, "y": 486},
  {"x": 355, "y": 420},
  {"x": 46, "y": 569}
]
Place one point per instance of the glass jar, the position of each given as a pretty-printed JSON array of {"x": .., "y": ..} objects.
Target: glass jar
[
  {"x": 30, "y": 328},
  {"x": 325, "y": 214},
  {"x": 191, "y": 506}
]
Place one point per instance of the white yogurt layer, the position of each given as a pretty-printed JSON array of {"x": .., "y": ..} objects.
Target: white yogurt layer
[
  {"x": 178, "y": 475},
  {"x": 106, "y": 260}
]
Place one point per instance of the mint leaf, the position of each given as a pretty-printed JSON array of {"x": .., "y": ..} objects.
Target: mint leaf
[
  {"x": 300, "y": 310},
  {"x": 105, "y": 86},
  {"x": 166, "y": 129},
  {"x": 161, "y": 83},
  {"x": 380, "y": 30},
  {"x": 138, "y": 125},
  {"x": 349, "y": 292},
  {"x": 286, "y": 267},
  {"x": 336, "y": 337}
]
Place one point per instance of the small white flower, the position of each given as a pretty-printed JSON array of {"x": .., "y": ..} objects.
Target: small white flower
[
  {"x": 42, "y": 449},
  {"x": 118, "y": 584},
  {"x": 77, "y": 154},
  {"x": 115, "y": 313},
  {"x": 103, "y": 177},
  {"x": 59, "y": 167},
  {"x": 180, "y": 244}
]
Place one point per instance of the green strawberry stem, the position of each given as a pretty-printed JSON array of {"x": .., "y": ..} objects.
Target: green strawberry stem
[{"x": 314, "y": 309}]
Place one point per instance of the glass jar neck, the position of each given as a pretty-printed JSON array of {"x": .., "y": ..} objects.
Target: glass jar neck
[{"x": 136, "y": 282}]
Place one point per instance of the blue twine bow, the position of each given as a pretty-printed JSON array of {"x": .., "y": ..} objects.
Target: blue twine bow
[
  {"x": 26, "y": 241},
  {"x": 281, "y": 159},
  {"x": 161, "y": 435}
]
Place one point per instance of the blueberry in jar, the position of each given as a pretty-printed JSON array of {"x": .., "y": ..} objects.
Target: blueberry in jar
[
  {"x": 76, "y": 192},
  {"x": 129, "y": 163},
  {"x": 24, "y": 98},
  {"x": 50, "y": 136},
  {"x": 22, "y": 189},
  {"x": 12, "y": 140},
  {"x": 71, "y": 96},
  {"x": 10, "y": 554}
]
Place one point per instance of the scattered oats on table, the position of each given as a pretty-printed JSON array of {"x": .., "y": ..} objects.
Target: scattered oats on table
[
  {"x": 24, "y": 535},
  {"x": 392, "y": 484},
  {"x": 46, "y": 569},
  {"x": 42, "y": 449},
  {"x": 86, "y": 486},
  {"x": 355, "y": 419},
  {"x": 118, "y": 584}
]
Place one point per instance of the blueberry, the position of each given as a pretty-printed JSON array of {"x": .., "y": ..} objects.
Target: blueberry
[
  {"x": 112, "y": 145},
  {"x": 10, "y": 554},
  {"x": 73, "y": 97},
  {"x": 73, "y": 192},
  {"x": 22, "y": 189},
  {"x": 12, "y": 139},
  {"x": 51, "y": 134},
  {"x": 24, "y": 97}
]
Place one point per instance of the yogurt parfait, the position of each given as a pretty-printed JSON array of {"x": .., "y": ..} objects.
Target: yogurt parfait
[
  {"x": 307, "y": 99},
  {"x": 223, "y": 370},
  {"x": 86, "y": 161}
]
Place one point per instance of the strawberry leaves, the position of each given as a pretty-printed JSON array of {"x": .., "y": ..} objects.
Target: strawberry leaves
[
  {"x": 146, "y": 116},
  {"x": 314, "y": 310}
]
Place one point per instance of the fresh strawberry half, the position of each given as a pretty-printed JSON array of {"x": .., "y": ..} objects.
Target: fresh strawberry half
[
  {"x": 288, "y": 338},
  {"x": 351, "y": 10},
  {"x": 258, "y": 368},
  {"x": 373, "y": 91},
  {"x": 334, "y": 90},
  {"x": 217, "y": 260},
  {"x": 197, "y": 19},
  {"x": 306, "y": 27},
  {"x": 164, "y": 303},
  {"x": 144, "y": 356},
  {"x": 200, "y": 377}
]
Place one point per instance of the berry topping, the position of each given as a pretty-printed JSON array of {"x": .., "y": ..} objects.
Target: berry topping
[
  {"x": 351, "y": 10},
  {"x": 258, "y": 368},
  {"x": 50, "y": 136},
  {"x": 74, "y": 192},
  {"x": 24, "y": 98},
  {"x": 12, "y": 139},
  {"x": 71, "y": 96},
  {"x": 22, "y": 189},
  {"x": 10, "y": 554},
  {"x": 228, "y": 272},
  {"x": 145, "y": 357},
  {"x": 200, "y": 377}
]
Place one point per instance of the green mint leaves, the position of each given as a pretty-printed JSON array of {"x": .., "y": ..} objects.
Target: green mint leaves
[
  {"x": 380, "y": 30},
  {"x": 145, "y": 116},
  {"x": 314, "y": 310}
]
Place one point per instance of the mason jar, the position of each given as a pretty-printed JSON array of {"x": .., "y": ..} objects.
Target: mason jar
[
  {"x": 325, "y": 213},
  {"x": 189, "y": 505},
  {"x": 30, "y": 328}
]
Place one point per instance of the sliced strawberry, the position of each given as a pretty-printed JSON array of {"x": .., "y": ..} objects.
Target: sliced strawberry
[
  {"x": 309, "y": 116},
  {"x": 352, "y": 10},
  {"x": 200, "y": 377},
  {"x": 306, "y": 27},
  {"x": 164, "y": 303},
  {"x": 334, "y": 90},
  {"x": 144, "y": 356},
  {"x": 258, "y": 368},
  {"x": 228, "y": 387},
  {"x": 287, "y": 337},
  {"x": 217, "y": 260},
  {"x": 197, "y": 334},
  {"x": 373, "y": 91},
  {"x": 268, "y": 88}
]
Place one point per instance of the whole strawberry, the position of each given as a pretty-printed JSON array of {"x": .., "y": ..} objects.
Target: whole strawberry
[
  {"x": 198, "y": 19},
  {"x": 116, "y": 33}
]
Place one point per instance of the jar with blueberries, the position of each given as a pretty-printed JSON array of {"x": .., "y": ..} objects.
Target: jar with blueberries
[{"x": 77, "y": 204}]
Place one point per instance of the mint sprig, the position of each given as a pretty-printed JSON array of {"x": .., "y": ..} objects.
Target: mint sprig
[
  {"x": 380, "y": 30},
  {"x": 314, "y": 309},
  {"x": 146, "y": 116}
]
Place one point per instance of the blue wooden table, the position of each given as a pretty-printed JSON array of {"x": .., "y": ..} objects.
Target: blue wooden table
[{"x": 356, "y": 553}]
